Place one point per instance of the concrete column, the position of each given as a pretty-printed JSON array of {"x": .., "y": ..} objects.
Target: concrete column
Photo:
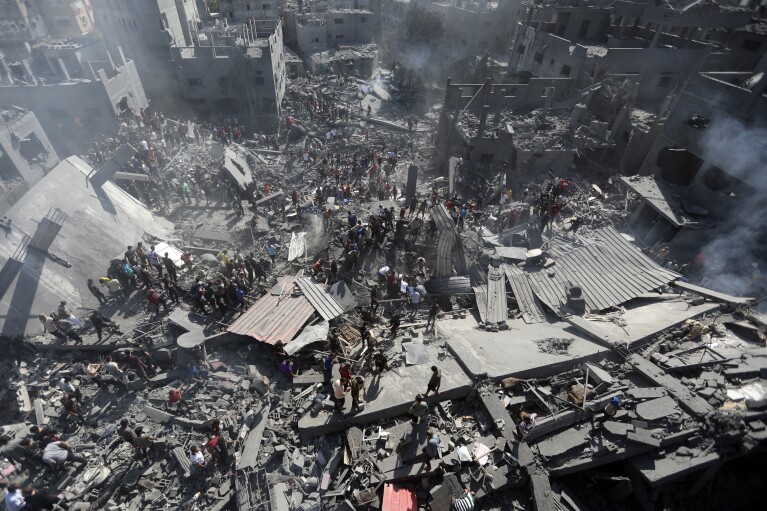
[
  {"x": 622, "y": 27},
  {"x": 656, "y": 37},
  {"x": 6, "y": 72},
  {"x": 28, "y": 74},
  {"x": 63, "y": 68},
  {"x": 483, "y": 120},
  {"x": 620, "y": 118}
]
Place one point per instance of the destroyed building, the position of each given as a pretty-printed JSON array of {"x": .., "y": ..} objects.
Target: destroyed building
[
  {"x": 541, "y": 124},
  {"x": 245, "y": 9},
  {"x": 67, "y": 19},
  {"x": 26, "y": 154},
  {"x": 657, "y": 47},
  {"x": 234, "y": 70},
  {"x": 76, "y": 89},
  {"x": 333, "y": 36},
  {"x": 146, "y": 30},
  {"x": 395, "y": 298}
]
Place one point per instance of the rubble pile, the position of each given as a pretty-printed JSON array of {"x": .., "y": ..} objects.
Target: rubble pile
[{"x": 335, "y": 330}]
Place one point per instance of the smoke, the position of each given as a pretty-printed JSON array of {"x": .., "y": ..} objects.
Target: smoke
[{"x": 735, "y": 258}]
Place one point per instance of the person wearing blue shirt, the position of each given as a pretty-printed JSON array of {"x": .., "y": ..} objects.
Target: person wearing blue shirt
[{"x": 271, "y": 251}]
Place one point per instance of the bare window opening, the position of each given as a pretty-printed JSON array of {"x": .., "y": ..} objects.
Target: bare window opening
[
  {"x": 195, "y": 82},
  {"x": 626, "y": 137},
  {"x": 520, "y": 48},
  {"x": 664, "y": 81},
  {"x": 538, "y": 57},
  {"x": 267, "y": 6},
  {"x": 698, "y": 122},
  {"x": 678, "y": 166},
  {"x": 30, "y": 146},
  {"x": 566, "y": 70},
  {"x": 584, "y": 28},
  {"x": 338, "y": 21},
  {"x": 122, "y": 105},
  {"x": 719, "y": 181},
  {"x": 339, "y": 36},
  {"x": 247, "y": 7}
]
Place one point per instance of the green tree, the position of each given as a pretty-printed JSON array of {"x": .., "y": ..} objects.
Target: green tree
[{"x": 212, "y": 5}]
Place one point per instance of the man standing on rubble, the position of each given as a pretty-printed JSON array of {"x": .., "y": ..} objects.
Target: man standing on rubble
[
  {"x": 435, "y": 381},
  {"x": 154, "y": 260},
  {"x": 431, "y": 321},
  {"x": 100, "y": 323},
  {"x": 271, "y": 251},
  {"x": 170, "y": 267},
  {"x": 394, "y": 323},
  {"x": 380, "y": 361},
  {"x": 356, "y": 386},
  {"x": 340, "y": 389},
  {"x": 95, "y": 291},
  {"x": 418, "y": 409},
  {"x": 431, "y": 450}
]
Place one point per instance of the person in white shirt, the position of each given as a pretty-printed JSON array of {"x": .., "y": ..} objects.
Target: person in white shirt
[
  {"x": 340, "y": 388},
  {"x": 14, "y": 500},
  {"x": 112, "y": 368},
  {"x": 197, "y": 459}
]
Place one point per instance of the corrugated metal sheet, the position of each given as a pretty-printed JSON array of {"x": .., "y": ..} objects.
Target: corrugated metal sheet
[
  {"x": 448, "y": 286},
  {"x": 609, "y": 270},
  {"x": 320, "y": 299},
  {"x": 497, "y": 308},
  {"x": 532, "y": 311},
  {"x": 398, "y": 498},
  {"x": 277, "y": 316},
  {"x": 480, "y": 295},
  {"x": 449, "y": 249}
]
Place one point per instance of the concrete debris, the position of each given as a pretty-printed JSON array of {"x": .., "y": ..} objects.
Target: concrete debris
[{"x": 329, "y": 284}]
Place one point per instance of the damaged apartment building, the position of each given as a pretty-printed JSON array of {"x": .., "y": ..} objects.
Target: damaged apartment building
[
  {"x": 26, "y": 154},
  {"x": 333, "y": 36},
  {"x": 523, "y": 127},
  {"x": 218, "y": 64},
  {"x": 64, "y": 74},
  {"x": 654, "y": 46}
]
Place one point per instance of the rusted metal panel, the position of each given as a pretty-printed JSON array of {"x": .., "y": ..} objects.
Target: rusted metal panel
[{"x": 277, "y": 316}]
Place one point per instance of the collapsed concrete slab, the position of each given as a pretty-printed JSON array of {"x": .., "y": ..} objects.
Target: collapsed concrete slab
[{"x": 78, "y": 229}]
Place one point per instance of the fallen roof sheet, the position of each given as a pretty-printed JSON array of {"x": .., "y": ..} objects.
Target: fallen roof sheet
[
  {"x": 532, "y": 311},
  {"x": 448, "y": 286},
  {"x": 322, "y": 301},
  {"x": 449, "y": 248},
  {"x": 491, "y": 297},
  {"x": 609, "y": 270},
  {"x": 277, "y": 316}
]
